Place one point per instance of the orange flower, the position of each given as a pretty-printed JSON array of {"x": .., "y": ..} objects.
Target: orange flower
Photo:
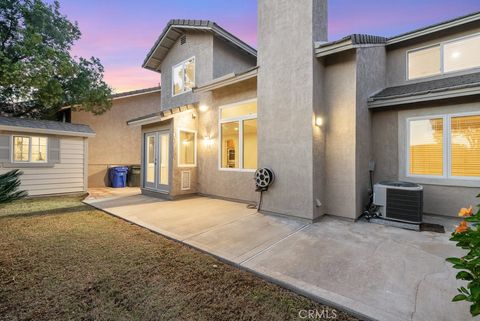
[
  {"x": 466, "y": 212},
  {"x": 462, "y": 228}
]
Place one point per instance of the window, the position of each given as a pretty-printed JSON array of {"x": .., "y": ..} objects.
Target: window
[
  {"x": 462, "y": 54},
  {"x": 444, "y": 147},
  {"x": 238, "y": 136},
  {"x": 28, "y": 149},
  {"x": 426, "y": 147},
  {"x": 424, "y": 62},
  {"x": 187, "y": 148},
  {"x": 183, "y": 77},
  {"x": 465, "y": 146},
  {"x": 450, "y": 56}
]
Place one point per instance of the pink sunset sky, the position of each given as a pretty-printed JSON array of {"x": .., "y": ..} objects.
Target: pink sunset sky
[{"x": 122, "y": 32}]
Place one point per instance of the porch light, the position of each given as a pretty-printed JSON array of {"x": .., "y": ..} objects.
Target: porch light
[
  {"x": 208, "y": 141},
  {"x": 203, "y": 108},
  {"x": 319, "y": 121}
]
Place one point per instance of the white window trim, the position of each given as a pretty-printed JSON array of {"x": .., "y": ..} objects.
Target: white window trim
[
  {"x": 173, "y": 78},
  {"x": 447, "y": 150},
  {"x": 240, "y": 121},
  {"x": 179, "y": 144},
  {"x": 442, "y": 58},
  {"x": 29, "y": 161}
]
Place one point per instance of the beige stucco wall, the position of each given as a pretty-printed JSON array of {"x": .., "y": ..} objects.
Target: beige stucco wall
[
  {"x": 115, "y": 143},
  {"x": 397, "y": 54},
  {"x": 388, "y": 137},
  {"x": 370, "y": 79},
  {"x": 287, "y": 103},
  {"x": 211, "y": 180},
  {"x": 340, "y": 97},
  {"x": 189, "y": 121}
]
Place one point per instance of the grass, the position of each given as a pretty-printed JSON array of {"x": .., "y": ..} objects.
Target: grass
[{"x": 62, "y": 260}]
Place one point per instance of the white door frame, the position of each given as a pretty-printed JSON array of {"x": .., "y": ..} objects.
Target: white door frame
[{"x": 156, "y": 185}]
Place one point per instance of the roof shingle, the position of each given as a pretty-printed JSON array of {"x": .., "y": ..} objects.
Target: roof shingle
[
  {"x": 420, "y": 88},
  {"x": 45, "y": 124}
]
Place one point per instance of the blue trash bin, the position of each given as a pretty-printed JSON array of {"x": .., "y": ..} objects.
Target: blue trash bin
[{"x": 118, "y": 176}]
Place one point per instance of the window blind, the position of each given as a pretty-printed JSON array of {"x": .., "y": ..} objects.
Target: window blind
[
  {"x": 426, "y": 147},
  {"x": 465, "y": 146}
]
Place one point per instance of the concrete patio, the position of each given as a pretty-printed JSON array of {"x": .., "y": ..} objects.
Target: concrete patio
[{"x": 373, "y": 271}]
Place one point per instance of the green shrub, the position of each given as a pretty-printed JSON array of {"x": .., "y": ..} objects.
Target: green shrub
[
  {"x": 9, "y": 184},
  {"x": 467, "y": 237}
]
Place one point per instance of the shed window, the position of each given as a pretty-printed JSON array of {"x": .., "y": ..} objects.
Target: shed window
[
  {"x": 446, "y": 146},
  {"x": 183, "y": 77},
  {"x": 29, "y": 149},
  {"x": 238, "y": 136}
]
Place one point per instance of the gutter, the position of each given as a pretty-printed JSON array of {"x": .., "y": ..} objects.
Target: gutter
[
  {"x": 325, "y": 50},
  {"x": 46, "y": 131},
  {"x": 426, "y": 31},
  {"x": 112, "y": 98},
  {"x": 227, "y": 80},
  {"x": 159, "y": 116},
  {"x": 334, "y": 48},
  {"x": 437, "y": 94},
  {"x": 145, "y": 121}
]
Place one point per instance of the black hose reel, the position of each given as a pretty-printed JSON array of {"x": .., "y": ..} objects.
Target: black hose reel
[{"x": 264, "y": 177}]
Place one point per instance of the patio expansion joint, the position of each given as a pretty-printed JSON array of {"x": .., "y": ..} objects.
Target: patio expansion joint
[
  {"x": 416, "y": 295},
  {"x": 274, "y": 244},
  {"x": 188, "y": 237}
]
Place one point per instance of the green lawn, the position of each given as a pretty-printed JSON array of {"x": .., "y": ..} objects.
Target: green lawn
[{"x": 62, "y": 260}]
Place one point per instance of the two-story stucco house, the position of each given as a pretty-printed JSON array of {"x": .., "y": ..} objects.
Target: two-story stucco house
[{"x": 314, "y": 111}]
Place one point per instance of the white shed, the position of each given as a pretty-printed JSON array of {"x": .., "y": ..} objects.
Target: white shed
[{"x": 53, "y": 156}]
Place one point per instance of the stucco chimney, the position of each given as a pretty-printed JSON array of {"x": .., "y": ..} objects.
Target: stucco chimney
[{"x": 289, "y": 99}]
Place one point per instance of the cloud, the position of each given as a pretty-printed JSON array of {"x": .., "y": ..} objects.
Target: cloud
[{"x": 131, "y": 78}]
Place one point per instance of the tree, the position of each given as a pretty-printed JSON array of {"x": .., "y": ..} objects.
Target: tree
[
  {"x": 37, "y": 73},
  {"x": 9, "y": 184}
]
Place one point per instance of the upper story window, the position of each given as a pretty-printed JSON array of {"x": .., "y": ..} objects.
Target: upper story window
[
  {"x": 424, "y": 62},
  {"x": 29, "y": 149},
  {"x": 183, "y": 77},
  {"x": 450, "y": 56}
]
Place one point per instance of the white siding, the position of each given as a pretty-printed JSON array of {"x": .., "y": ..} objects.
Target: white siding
[{"x": 65, "y": 177}]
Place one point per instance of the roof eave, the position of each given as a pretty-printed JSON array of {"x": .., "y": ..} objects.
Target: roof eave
[
  {"x": 430, "y": 96},
  {"x": 433, "y": 29},
  {"x": 341, "y": 47},
  {"x": 117, "y": 98},
  {"x": 227, "y": 80},
  {"x": 144, "y": 121},
  {"x": 226, "y": 35},
  {"x": 46, "y": 131},
  {"x": 327, "y": 50},
  {"x": 137, "y": 94},
  {"x": 214, "y": 28},
  {"x": 159, "y": 116}
]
